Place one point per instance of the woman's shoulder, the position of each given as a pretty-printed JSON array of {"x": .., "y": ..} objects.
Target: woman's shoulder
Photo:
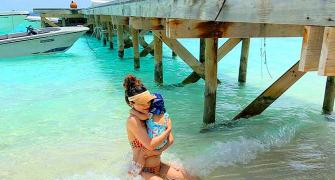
[{"x": 133, "y": 121}]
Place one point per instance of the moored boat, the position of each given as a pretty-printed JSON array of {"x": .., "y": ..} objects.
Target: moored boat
[{"x": 39, "y": 41}]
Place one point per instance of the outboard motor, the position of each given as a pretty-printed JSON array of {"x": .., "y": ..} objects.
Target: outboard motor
[{"x": 31, "y": 30}]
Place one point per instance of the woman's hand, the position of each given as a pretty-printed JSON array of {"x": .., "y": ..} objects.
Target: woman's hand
[{"x": 168, "y": 125}]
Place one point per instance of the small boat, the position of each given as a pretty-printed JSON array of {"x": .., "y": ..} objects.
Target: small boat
[
  {"x": 38, "y": 18},
  {"x": 39, "y": 41},
  {"x": 99, "y": 2},
  {"x": 32, "y": 17},
  {"x": 10, "y": 19}
]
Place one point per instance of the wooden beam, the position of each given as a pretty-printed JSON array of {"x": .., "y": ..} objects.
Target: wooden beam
[
  {"x": 301, "y": 12},
  {"x": 45, "y": 20},
  {"x": 327, "y": 59},
  {"x": 147, "y": 23},
  {"x": 227, "y": 47},
  {"x": 120, "y": 40},
  {"x": 148, "y": 48},
  {"x": 120, "y": 20},
  {"x": 328, "y": 102},
  {"x": 211, "y": 80},
  {"x": 134, "y": 33},
  {"x": 176, "y": 28},
  {"x": 194, "y": 77},
  {"x": 311, "y": 48},
  {"x": 271, "y": 93},
  {"x": 222, "y": 51},
  {"x": 182, "y": 52},
  {"x": 242, "y": 75},
  {"x": 105, "y": 19},
  {"x": 158, "y": 60}
]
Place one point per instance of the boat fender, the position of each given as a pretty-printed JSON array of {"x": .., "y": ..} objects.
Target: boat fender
[{"x": 73, "y": 5}]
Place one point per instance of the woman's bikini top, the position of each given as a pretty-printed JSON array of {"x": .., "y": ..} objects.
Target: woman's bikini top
[{"x": 154, "y": 129}]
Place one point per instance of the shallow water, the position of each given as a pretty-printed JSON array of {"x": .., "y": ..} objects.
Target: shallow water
[{"x": 62, "y": 116}]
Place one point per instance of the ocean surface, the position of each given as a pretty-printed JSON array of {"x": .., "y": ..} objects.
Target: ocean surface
[{"x": 62, "y": 116}]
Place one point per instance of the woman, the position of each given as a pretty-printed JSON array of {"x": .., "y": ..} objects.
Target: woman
[{"x": 139, "y": 98}]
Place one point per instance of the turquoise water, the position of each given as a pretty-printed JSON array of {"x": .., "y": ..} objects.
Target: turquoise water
[{"x": 63, "y": 116}]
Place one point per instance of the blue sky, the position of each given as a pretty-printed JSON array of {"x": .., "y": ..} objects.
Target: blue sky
[{"x": 28, "y": 5}]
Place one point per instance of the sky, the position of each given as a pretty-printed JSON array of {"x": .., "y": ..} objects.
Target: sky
[{"x": 28, "y": 5}]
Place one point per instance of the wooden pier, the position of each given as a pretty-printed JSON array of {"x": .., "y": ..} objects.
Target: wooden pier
[{"x": 210, "y": 20}]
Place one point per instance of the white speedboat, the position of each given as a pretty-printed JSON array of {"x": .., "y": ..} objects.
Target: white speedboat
[
  {"x": 10, "y": 19},
  {"x": 39, "y": 41}
]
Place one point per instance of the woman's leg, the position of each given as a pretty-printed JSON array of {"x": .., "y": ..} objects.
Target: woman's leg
[
  {"x": 174, "y": 172},
  {"x": 150, "y": 176}
]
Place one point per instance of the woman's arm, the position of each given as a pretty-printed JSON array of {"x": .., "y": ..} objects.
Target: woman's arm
[
  {"x": 168, "y": 144},
  {"x": 141, "y": 134}
]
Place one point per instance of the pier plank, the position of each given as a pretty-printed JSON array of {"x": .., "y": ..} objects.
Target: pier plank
[
  {"x": 301, "y": 12},
  {"x": 177, "y": 28},
  {"x": 120, "y": 20},
  {"x": 147, "y": 23}
]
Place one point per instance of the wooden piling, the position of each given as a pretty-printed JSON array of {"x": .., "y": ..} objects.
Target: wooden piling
[
  {"x": 120, "y": 41},
  {"x": 63, "y": 22},
  {"x": 328, "y": 102},
  {"x": 242, "y": 75},
  {"x": 97, "y": 27},
  {"x": 134, "y": 33},
  {"x": 110, "y": 36},
  {"x": 211, "y": 80},
  {"x": 158, "y": 60}
]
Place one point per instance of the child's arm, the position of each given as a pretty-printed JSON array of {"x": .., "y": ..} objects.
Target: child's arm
[{"x": 139, "y": 115}]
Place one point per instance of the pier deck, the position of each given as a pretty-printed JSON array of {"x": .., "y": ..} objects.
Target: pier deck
[{"x": 209, "y": 20}]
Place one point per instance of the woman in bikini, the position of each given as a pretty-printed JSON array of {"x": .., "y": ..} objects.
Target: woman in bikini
[{"x": 139, "y": 98}]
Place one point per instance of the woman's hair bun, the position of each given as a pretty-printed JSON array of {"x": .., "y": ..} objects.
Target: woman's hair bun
[{"x": 130, "y": 82}]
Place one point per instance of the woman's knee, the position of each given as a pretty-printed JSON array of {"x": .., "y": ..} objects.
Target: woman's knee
[{"x": 150, "y": 176}]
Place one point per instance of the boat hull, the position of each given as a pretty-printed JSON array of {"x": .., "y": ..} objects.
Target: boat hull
[{"x": 45, "y": 44}]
